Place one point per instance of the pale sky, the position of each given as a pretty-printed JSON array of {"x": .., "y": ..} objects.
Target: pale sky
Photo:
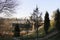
[{"x": 26, "y": 7}]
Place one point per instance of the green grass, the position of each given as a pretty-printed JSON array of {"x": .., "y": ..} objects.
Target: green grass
[
  {"x": 6, "y": 38},
  {"x": 55, "y": 37},
  {"x": 41, "y": 33}
]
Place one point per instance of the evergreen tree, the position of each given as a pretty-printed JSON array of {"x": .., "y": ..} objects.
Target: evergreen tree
[
  {"x": 57, "y": 20},
  {"x": 17, "y": 30},
  {"x": 35, "y": 17},
  {"x": 46, "y": 22}
]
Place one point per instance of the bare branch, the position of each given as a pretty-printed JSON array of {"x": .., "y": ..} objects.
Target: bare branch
[{"x": 7, "y": 5}]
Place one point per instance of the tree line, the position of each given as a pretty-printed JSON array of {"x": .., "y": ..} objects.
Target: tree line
[
  {"x": 46, "y": 21},
  {"x": 56, "y": 20},
  {"x": 7, "y": 6}
]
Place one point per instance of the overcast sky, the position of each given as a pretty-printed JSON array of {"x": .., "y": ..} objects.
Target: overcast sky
[{"x": 26, "y": 7}]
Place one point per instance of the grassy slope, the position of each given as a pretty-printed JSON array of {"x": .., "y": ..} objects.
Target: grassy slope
[{"x": 55, "y": 37}]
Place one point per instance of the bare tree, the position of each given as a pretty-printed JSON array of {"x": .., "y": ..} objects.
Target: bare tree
[
  {"x": 7, "y": 6},
  {"x": 35, "y": 17}
]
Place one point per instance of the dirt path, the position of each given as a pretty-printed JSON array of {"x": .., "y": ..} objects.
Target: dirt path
[{"x": 30, "y": 32}]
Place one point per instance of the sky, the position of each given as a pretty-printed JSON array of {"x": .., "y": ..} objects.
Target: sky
[{"x": 26, "y": 7}]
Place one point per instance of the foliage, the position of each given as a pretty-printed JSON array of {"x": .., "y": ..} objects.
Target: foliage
[
  {"x": 36, "y": 15},
  {"x": 41, "y": 33},
  {"x": 52, "y": 23},
  {"x": 46, "y": 22},
  {"x": 57, "y": 20},
  {"x": 17, "y": 31}
]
